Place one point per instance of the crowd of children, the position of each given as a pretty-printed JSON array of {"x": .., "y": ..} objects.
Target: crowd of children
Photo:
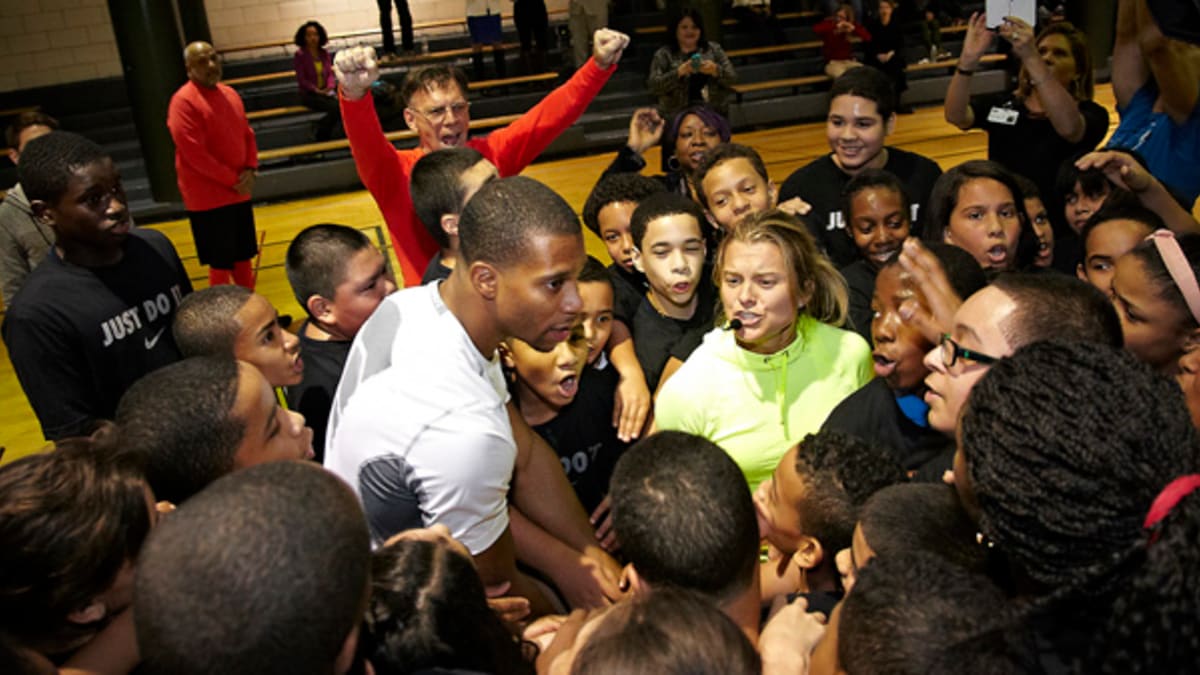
[{"x": 879, "y": 419}]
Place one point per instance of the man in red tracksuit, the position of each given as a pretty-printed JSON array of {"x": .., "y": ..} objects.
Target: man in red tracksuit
[{"x": 436, "y": 108}]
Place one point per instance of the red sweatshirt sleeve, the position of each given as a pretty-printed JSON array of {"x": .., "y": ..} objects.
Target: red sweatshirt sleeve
[
  {"x": 385, "y": 171},
  {"x": 514, "y": 147}
]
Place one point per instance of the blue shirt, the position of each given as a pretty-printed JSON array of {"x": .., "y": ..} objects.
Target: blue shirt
[{"x": 1171, "y": 151}]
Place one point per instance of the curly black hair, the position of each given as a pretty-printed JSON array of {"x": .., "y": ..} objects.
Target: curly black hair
[
  {"x": 299, "y": 39},
  {"x": 1067, "y": 444},
  {"x": 614, "y": 188},
  {"x": 840, "y": 473}
]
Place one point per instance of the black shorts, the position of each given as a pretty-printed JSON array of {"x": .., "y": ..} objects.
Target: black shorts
[{"x": 224, "y": 235}]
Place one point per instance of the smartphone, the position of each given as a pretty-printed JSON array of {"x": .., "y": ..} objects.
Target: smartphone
[
  {"x": 696, "y": 62},
  {"x": 1022, "y": 9}
]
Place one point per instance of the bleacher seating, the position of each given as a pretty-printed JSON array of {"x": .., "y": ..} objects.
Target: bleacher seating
[{"x": 776, "y": 84}]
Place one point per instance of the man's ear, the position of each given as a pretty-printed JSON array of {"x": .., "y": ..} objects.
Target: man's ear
[
  {"x": 890, "y": 125},
  {"x": 92, "y": 613},
  {"x": 506, "y": 356},
  {"x": 809, "y": 552},
  {"x": 42, "y": 211},
  {"x": 450, "y": 224},
  {"x": 485, "y": 279},
  {"x": 1080, "y": 273},
  {"x": 13, "y": 155},
  {"x": 320, "y": 308},
  {"x": 637, "y": 260},
  {"x": 345, "y": 657},
  {"x": 410, "y": 119},
  {"x": 631, "y": 582}
]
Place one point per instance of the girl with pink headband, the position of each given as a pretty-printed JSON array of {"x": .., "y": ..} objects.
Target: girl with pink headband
[{"x": 1156, "y": 294}]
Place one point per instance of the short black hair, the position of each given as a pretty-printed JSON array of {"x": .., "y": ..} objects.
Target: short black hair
[
  {"x": 670, "y": 631},
  {"x": 266, "y": 570},
  {"x": 428, "y": 610},
  {"x": 179, "y": 420},
  {"x": 943, "y": 200},
  {"x": 1092, "y": 181},
  {"x": 869, "y": 83},
  {"x": 659, "y": 205},
  {"x": 723, "y": 153},
  {"x": 1057, "y": 306},
  {"x": 69, "y": 520},
  {"x": 299, "y": 38},
  {"x": 962, "y": 270},
  {"x": 594, "y": 271},
  {"x": 205, "y": 323},
  {"x": 614, "y": 188},
  {"x": 436, "y": 187},
  {"x": 427, "y": 77},
  {"x": 921, "y": 517},
  {"x": 874, "y": 178},
  {"x": 317, "y": 259},
  {"x": 48, "y": 161},
  {"x": 500, "y": 220},
  {"x": 1121, "y": 210},
  {"x": 29, "y": 118},
  {"x": 917, "y": 613},
  {"x": 684, "y": 516},
  {"x": 840, "y": 472}
]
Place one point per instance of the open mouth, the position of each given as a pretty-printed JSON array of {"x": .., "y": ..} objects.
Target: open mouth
[
  {"x": 298, "y": 365},
  {"x": 681, "y": 287},
  {"x": 121, "y": 227},
  {"x": 748, "y": 319},
  {"x": 998, "y": 254},
  {"x": 450, "y": 139},
  {"x": 883, "y": 365},
  {"x": 569, "y": 386}
]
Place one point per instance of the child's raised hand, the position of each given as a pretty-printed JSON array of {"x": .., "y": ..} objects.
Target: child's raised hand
[
  {"x": 645, "y": 129},
  {"x": 1119, "y": 168},
  {"x": 936, "y": 317}
]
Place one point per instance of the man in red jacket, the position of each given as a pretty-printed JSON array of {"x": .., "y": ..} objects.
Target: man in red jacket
[
  {"x": 215, "y": 160},
  {"x": 436, "y": 107}
]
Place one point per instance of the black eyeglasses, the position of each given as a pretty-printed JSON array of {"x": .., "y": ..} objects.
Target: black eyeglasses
[{"x": 952, "y": 352}]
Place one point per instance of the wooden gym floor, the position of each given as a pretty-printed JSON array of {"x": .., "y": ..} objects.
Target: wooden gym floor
[{"x": 784, "y": 149}]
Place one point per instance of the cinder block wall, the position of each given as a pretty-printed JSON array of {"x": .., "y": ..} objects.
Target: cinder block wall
[{"x": 48, "y": 42}]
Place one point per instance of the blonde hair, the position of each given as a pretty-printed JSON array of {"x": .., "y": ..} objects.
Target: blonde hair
[
  {"x": 808, "y": 268},
  {"x": 1082, "y": 86}
]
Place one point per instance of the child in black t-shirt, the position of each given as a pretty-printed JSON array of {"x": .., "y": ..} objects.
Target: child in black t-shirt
[
  {"x": 878, "y": 220},
  {"x": 732, "y": 183},
  {"x": 808, "y": 508},
  {"x": 889, "y": 411},
  {"x": 670, "y": 251},
  {"x": 339, "y": 278},
  {"x": 570, "y": 405},
  {"x": 606, "y": 213}
]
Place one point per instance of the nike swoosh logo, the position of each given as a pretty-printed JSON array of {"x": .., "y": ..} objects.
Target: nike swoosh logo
[{"x": 151, "y": 341}]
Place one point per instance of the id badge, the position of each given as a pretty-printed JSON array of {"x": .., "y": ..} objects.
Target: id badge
[{"x": 1005, "y": 116}]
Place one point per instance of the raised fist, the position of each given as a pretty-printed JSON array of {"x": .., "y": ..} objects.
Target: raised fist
[
  {"x": 607, "y": 46},
  {"x": 356, "y": 68}
]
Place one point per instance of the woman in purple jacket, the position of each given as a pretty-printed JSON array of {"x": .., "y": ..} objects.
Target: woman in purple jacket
[{"x": 314, "y": 75}]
